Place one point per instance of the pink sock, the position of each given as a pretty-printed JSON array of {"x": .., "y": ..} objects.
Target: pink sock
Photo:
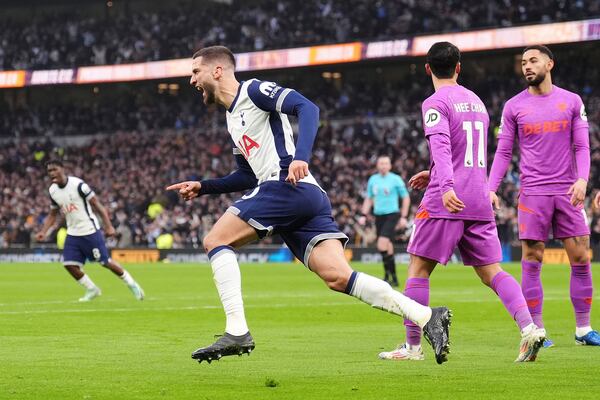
[
  {"x": 418, "y": 290},
  {"x": 532, "y": 289},
  {"x": 582, "y": 292},
  {"x": 509, "y": 291}
]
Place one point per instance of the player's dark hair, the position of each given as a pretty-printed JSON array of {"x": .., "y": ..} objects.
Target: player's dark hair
[
  {"x": 212, "y": 53},
  {"x": 54, "y": 161},
  {"x": 442, "y": 58},
  {"x": 542, "y": 49}
]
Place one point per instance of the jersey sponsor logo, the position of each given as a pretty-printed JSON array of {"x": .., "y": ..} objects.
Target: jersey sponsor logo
[
  {"x": 545, "y": 127},
  {"x": 582, "y": 113},
  {"x": 69, "y": 208},
  {"x": 269, "y": 89},
  {"x": 246, "y": 145},
  {"x": 432, "y": 117}
]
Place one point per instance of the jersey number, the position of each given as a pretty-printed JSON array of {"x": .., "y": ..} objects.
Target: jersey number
[{"x": 468, "y": 128}]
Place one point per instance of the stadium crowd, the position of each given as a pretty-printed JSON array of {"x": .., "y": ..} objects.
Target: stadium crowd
[
  {"x": 141, "y": 149},
  {"x": 134, "y": 31},
  {"x": 143, "y": 140}
]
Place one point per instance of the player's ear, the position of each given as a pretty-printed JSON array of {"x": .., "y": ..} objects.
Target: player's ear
[
  {"x": 427, "y": 69},
  {"x": 550, "y": 64},
  {"x": 457, "y": 69},
  {"x": 217, "y": 72}
]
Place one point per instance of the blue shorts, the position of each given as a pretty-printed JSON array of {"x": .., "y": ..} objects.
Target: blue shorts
[
  {"x": 90, "y": 247},
  {"x": 300, "y": 214}
]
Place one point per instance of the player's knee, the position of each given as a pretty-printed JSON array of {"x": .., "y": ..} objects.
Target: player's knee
[
  {"x": 534, "y": 252},
  {"x": 580, "y": 258},
  {"x": 383, "y": 243},
  {"x": 211, "y": 241}
]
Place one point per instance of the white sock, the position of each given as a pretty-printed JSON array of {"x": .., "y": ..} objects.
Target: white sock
[
  {"x": 413, "y": 347},
  {"x": 582, "y": 330},
  {"x": 380, "y": 294},
  {"x": 86, "y": 282},
  {"x": 127, "y": 278},
  {"x": 227, "y": 277},
  {"x": 528, "y": 328}
]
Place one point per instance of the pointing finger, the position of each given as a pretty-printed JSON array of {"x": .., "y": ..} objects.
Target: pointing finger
[{"x": 175, "y": 186}]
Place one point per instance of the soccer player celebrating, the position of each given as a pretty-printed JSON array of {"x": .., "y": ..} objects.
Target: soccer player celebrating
[
  {"x": 284, "y": 199},
  {"x": 383, "y": 190},
  {"x": 84, "y": 240},
  {"x": 551, "y": 126},
  {"x": 456, "y": 209}
]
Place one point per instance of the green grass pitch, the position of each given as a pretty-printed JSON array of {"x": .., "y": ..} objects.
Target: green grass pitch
[{"x": 311, "y": 343}]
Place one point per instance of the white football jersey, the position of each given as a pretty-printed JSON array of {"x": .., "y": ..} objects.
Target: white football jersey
[
  {"x": 261, "y": 132},
  {"x": 73, "y": 200}
]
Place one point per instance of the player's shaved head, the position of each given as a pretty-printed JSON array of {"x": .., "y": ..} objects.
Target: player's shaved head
[
  {"x": 215, "y": 54},
  {"x": 442, "y": 59}
]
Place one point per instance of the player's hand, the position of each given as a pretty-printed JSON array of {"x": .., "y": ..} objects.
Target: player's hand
[
  {"x": 109, "y": 231},
  {"x": 495, "y": 200},
  {"x": 187, "y": 190},
  {"x": 452, "y": 203},
  {"x": 419, "y": 181},
  {"x": 597, "y": 200},
  {"x": 362, "y": 220},
  {"x": 40, "y": 236},
  {"x": 298, "y": 170},
  {"x": 577, "y": 192}
]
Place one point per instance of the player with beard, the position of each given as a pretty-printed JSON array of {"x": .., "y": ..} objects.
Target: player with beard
[
  {"x": 284, "y": 199},
  {"x": 552, "y": 129}
]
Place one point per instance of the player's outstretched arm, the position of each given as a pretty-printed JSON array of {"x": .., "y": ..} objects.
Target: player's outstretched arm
[
  {"x": 187, "y": 190},
  {"x": 241, "y": 179},
  {"x": 109, "y": 230},
  {"x": 48, "y": 223}
]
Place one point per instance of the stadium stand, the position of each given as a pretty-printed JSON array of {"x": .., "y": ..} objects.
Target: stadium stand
[{"x": 94, "y": 34}]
